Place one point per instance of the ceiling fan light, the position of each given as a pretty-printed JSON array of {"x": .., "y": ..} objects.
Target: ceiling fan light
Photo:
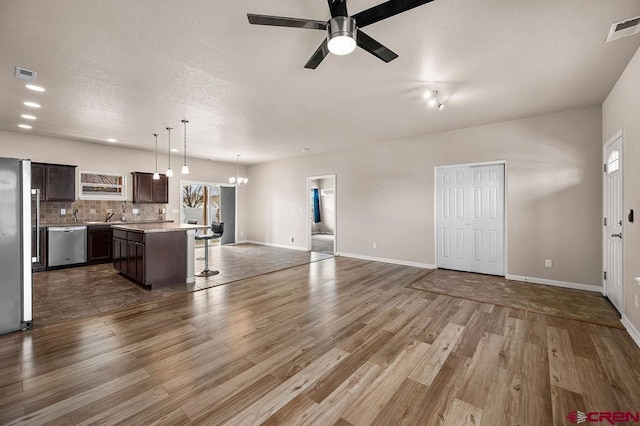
[
  {"x": 440, "y": 107},
  {"x": 342, "y": 45},
  {"x": 342, "y": 35},
  {"x": 433, "y": 102}
]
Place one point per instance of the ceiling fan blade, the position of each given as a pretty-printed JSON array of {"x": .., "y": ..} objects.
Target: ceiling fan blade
[
  {"x": 386, "y": 10},
  {"x": 318, "y": 56},
  {"x": 375, "y": 48},
  {"x": 338, "y": 8},
  {"x": 281, "y": 21}
]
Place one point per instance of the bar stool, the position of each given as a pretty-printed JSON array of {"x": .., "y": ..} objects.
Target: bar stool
[{"x": 217, "y": 228}]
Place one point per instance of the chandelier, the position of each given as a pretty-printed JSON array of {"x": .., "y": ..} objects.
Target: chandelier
[{"x": 237, "y": 179}]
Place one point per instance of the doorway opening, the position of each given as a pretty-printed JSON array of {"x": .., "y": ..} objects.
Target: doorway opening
[
  {"x": 470, "y": 218},
  {"x": 207, "y": 202},
  {"x": 321, "y": 211},
  {"x": 613, "y": 250}
]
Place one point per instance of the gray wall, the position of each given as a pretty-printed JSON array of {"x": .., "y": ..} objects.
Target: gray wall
[
  {"x": 553, "y": 194},
  {"x": 621, "y": 110}
]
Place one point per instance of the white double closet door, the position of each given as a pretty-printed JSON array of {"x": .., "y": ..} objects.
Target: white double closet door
[{"x": 470, "y": 218}]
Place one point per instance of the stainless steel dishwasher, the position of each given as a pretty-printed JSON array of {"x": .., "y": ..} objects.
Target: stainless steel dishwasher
[{"x": 67, "y": 245}]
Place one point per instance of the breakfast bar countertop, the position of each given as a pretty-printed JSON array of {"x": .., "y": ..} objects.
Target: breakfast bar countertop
[{"x": 147, "y": 228}]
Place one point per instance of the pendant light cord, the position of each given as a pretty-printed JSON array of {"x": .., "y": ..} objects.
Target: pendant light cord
[
  {"x": 185, "y": 141},
  {"x": 169, "y": 156},
  {"x": 156, "y": 135}
]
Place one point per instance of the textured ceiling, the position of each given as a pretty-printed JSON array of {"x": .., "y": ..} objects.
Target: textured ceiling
[{"x": 127, "y": 69}]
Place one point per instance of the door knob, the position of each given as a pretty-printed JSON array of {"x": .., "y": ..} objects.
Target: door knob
[{"x": 617, "y": 235}]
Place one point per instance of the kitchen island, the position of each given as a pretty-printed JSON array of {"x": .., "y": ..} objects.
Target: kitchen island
[{"x": 155, "y": 254}]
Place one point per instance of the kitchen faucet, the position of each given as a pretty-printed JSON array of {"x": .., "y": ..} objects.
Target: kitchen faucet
[{"x": 109, "y": 216}]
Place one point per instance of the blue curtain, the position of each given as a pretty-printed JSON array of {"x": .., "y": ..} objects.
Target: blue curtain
[{"x": 316, "y": 206}]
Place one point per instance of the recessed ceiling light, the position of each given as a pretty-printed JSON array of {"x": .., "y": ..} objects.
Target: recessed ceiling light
[
  {"x": 112, "y": 140},
  {"x": 28, "y": 117},
  {"x": 31, "y": 104},
  {"x": 35, "y": 88},
  {"x": 25, "y": 126},
  {"x": 174, "y": 149}
]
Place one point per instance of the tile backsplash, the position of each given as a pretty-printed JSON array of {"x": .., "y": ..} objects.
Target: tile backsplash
[{"x": 96, "y": 210}]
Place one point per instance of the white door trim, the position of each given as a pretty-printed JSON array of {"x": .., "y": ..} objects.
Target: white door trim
[
  {"x": 617, "y": 135},
  {"x": 333, "y": 176},
  {"x": 506, "y": 210}
]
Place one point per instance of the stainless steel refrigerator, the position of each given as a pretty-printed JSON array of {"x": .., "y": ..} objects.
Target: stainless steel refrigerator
[{"x": 15, "y": 244}]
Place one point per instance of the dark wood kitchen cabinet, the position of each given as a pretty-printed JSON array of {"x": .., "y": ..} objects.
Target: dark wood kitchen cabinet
[
  {"x": 154, "y": 259},
  {"x": 148, "y": 190},
  {"x": 56, "y": 182},
  {"x": 99, "y": 244},
  {"x": 120, "y": 260},
  {"x": 128, "y": 254}
]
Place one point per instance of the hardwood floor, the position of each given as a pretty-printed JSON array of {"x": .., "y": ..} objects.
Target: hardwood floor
[
  {"x": 339, "y": 341},
  {"x": 65, "y": 294}
]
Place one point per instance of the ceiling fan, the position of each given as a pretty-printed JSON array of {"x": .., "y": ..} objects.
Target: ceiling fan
[{"x": 343, "y": 31}]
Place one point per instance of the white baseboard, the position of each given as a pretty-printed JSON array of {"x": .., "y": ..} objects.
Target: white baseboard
[
  {"x": 262, "y": 243},
  {"x": 633, "y": 332},
  {"x": 385, "y": 260},
  {"x": 242, "y": 242},
  {"x": 555, "y": 283}
]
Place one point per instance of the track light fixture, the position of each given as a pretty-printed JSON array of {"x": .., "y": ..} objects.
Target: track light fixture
[{"x": 432, "y": 96}]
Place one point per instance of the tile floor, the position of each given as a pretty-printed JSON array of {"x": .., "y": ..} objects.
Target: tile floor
[{"x": 66, "y": 294}]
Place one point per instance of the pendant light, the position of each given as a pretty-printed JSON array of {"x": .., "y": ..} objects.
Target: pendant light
[
  {"x": 169, "y": 171},
  {"x": 240, "y": 181},
  {"x": 185, "y": 168},
  {"x": 156, "y": 175}
]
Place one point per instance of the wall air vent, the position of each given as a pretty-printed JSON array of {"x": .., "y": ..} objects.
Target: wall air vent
[
  {"x": 25, "y": 74},
  {"x": 624, "y": 28}
]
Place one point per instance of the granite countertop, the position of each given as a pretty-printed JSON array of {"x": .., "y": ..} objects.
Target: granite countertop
[
  {"x": 147, "y": 228},
  {"x": 98, "y": 223}
]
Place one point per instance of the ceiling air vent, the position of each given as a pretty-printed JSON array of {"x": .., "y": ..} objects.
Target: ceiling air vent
[
  {"x": 624, "y": 29},
  {"x": 25, "y": 74}
]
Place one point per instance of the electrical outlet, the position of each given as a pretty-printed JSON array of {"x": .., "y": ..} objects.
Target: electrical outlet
[
  {"x": 63, "y": 212},
  {"x": 548, "y": 263},
  {"x": 134, "y": 211},
  {"x": 291, "y": 238},
  {"x": 375, "y": 245}
]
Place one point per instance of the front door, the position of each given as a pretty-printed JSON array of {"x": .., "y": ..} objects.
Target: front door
[
  {"x": 613, "y": 220},
  {"x": 470, "y": 218}
]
